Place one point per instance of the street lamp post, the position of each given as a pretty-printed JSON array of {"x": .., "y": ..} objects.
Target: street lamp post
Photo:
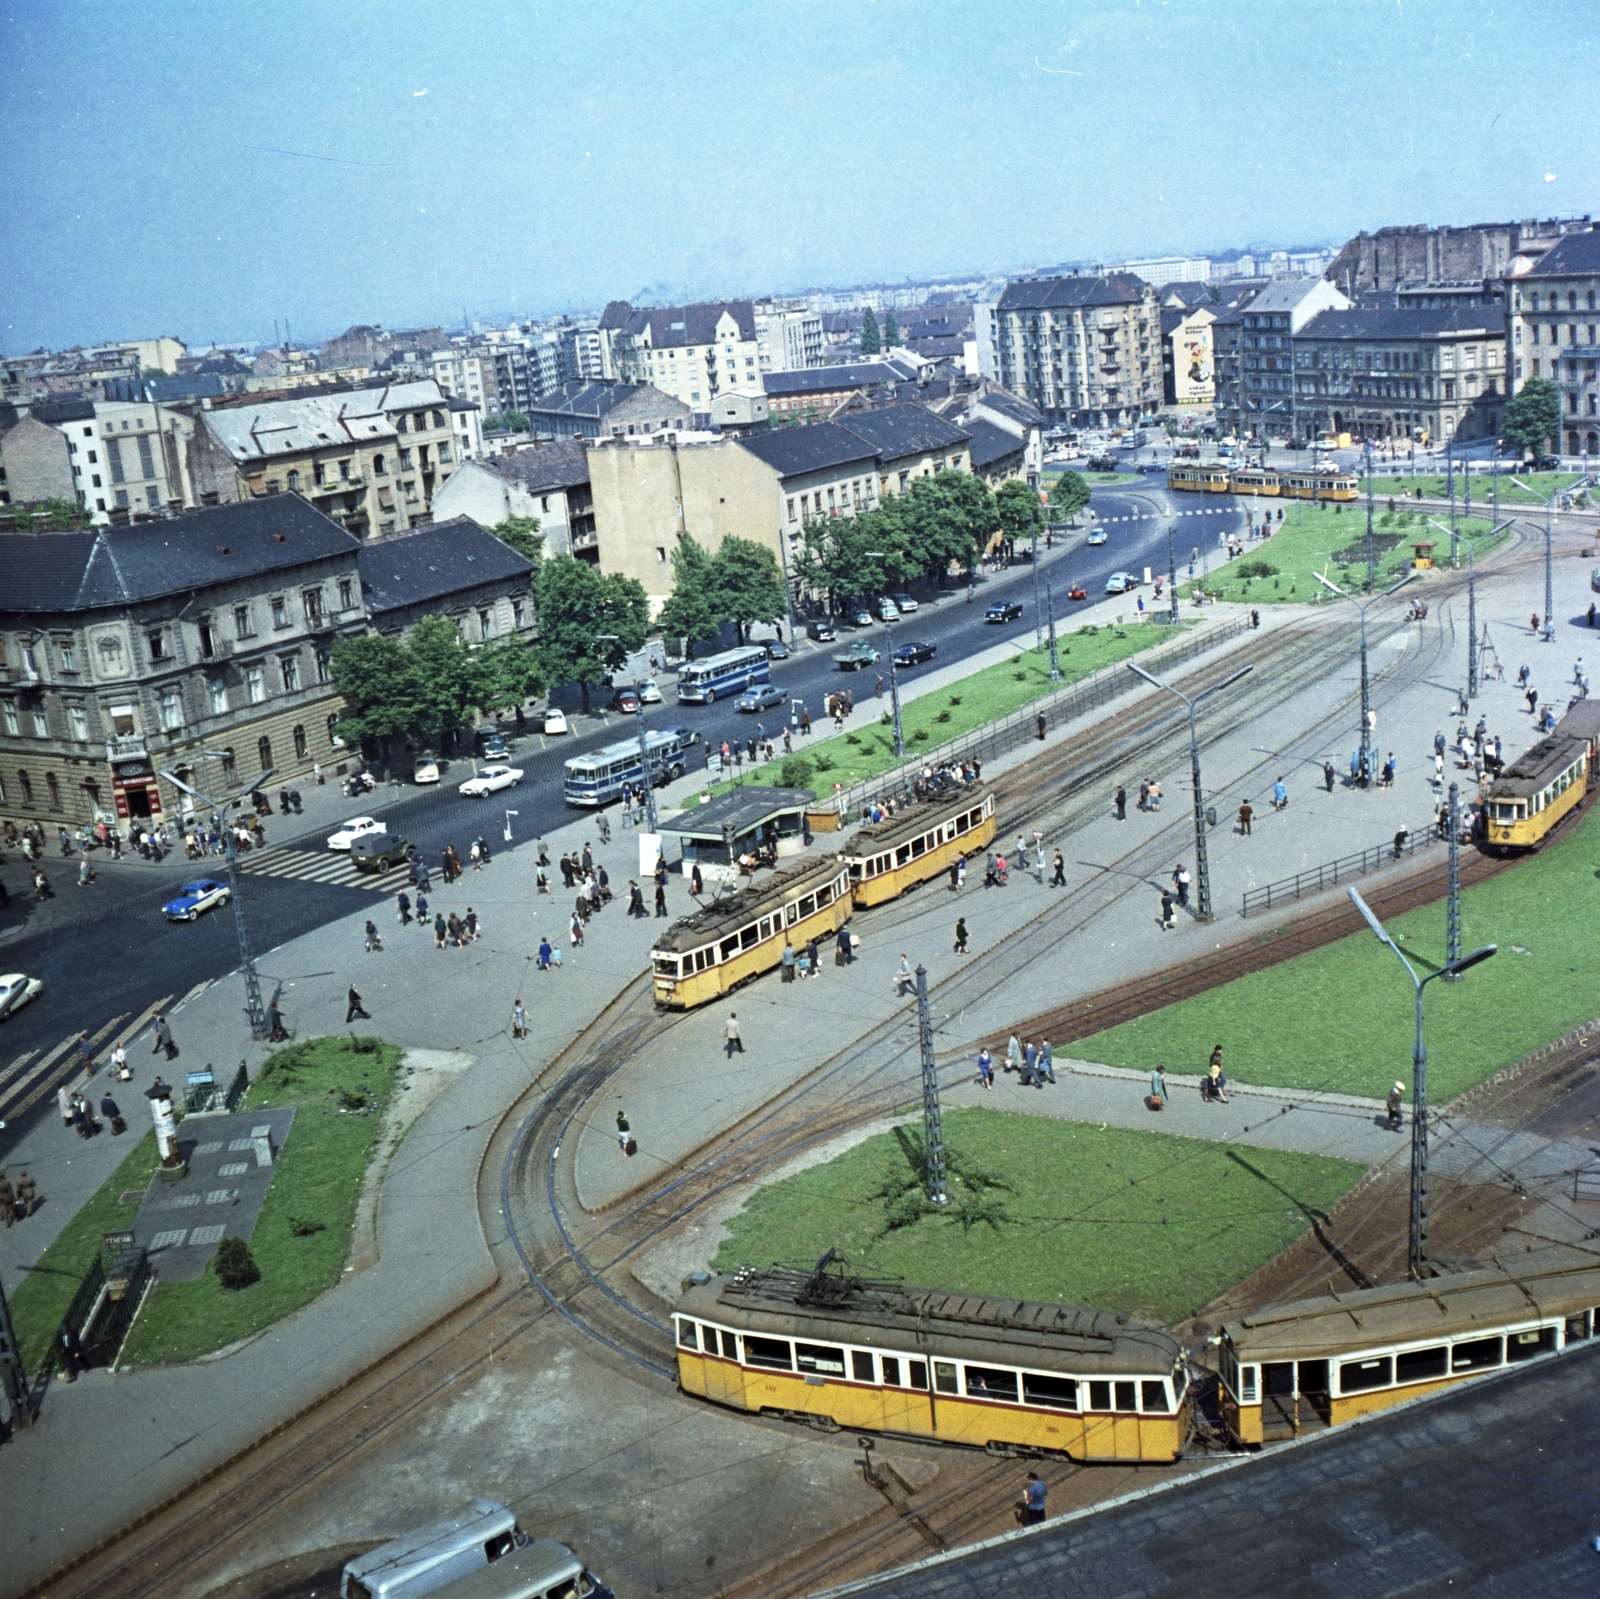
[
  {"x": 1472, "y": 601},
  {"x": 1549, "y": 578},
  {"x": 1038, "y": 625},
  {"x": 1172, "y": 581},
  {"x": 253, "y": 1008},
  {"x": 894, "y": 694},
  {"x": 1372, "y": 565},
  {"x": 1050, "y": 608},
  {"x": 1369, "y": 753},
  {"x": 1417, "y": 1254},
  {"x": 1202, "y": 867},
  {"x": 644, "y": 745}
]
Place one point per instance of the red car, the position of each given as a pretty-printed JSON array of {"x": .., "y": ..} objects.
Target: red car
[{"x": 1077, "y": 592}]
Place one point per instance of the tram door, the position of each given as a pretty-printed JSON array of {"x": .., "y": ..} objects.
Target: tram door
[
  {"x": 1316, "y": 1401},
  {"x": 1277, "y": 1400}
]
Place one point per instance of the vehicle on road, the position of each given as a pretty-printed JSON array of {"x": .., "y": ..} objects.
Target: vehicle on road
[
  {"x": 1003, "y": 611},
  {"x": 720, "y": 676},
  {"x": 1189, "y": 452},
  {"x": 16, "y": 989},
  {"x": 905, "y": 603},
  {"x": 1097, "y": 537},
  {"x": 776, "y": 649},
  {"x": 554, "y": 722},
  {"x": 438, "y": 1555},
  {"x": 1077, "y": 592},
  {"x": 760, "y": 698},
  {"x": 856, "y": 657},
  {"x": 888, "y": 611},
  {"x": 378, "y": 852},
  {"x": 888, "y": 857},
  {"x": 1121, "y": 583},
  {"x": 491, "y": 780},
  {"x": 861, "y": 617},
  {"x": 1535, "y": 794},
  {"x": 649, "y": 691},
  {"x": 1103, "y": 463},
  {"x": 356, "y": 827},
  {"x": 596, "y": 778},
  {"x": 914, "y": 654},
  {"x": 626, "y": 700},
  {"x": 194, "y": 899},
  {"x": 820, "y": 631},
  {"x": 491, "y": 745},
  {"x": 1545, "y": 463},
  {"x": 425, "y": 768},
  {"x": 1145, "y": 467}
]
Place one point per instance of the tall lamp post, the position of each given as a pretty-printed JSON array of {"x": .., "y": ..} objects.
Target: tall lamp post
[
  {"x": 1201, "y": 865},
  {"x": 894, "y": 685},
  {"x": 253, "y": 1008},
  {"x": 1472, "y": 599},
  {"x": 1050, "y": 608},
  {"x": 1549, "y": 579},
  {"x": 1369, "y": 754},
  {"x": 1172, "y": 581},
  {"x": 1417, "y": 1253}
]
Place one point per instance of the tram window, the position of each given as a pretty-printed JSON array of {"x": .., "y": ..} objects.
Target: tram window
[
  {"x": 1247, "y": 1384},
  {"x": 730, "y": 947},
  {"x": 1050, "y": 1393},
  {"x": 1180, "y": 1381},
  {"x": 770, "y": 1352},
  {"x": 902, "y": 855},
  {"x": 1578, "y": 1327},
  {"x": 819, "y": 1358},
  {"x": 807, "y": 904},
  {"x": 1525, "y": 1345},
  {"x": 858, "y": 870},
  {"x": 766, "y": 927},
  {"x": 919, "y": 846},
  {"x": 1126, "y": 1396},
  {"x": 944, "y": 1377},
  {"x": 1357, "y": 1375},
  {"x": 861, "y": 1365},
  {"x": 730, "y": 1343},
  {"x": 686, "y": 1334},
  {"x": 989, "y": 1382},
  {"x": 750, "y": 937},
  {"x": 666, "y": 965},
  {"x": 1099, "y": 1396},
  {"x": 1416, "y": 1364},
  {"x": 791, "y": 914},
  {"x": 891, "y": 1371},
  {"x": 1475, "y": 1355},
  {"x": 824, "y": 895},
  {"x": 1153, "y": 1398},
  {"x": 918, "y": 1371},
  {"x": 704, "y": 958},
  {"x": 883, "y": 863},
  {"x": 963, "y": 822}
]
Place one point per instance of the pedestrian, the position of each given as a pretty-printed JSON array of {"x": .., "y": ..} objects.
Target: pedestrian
[
  {"x": 961, "y": 872},
  {"x": 469, "y": 927},
  {"x": 27, "y": 1196},
  {"x": 1533, "y": 623},
  {"x": 808, "y": 959},
  {"x": 730, "y": 1035},
  {"x": 625, "y": 1138},
  {"x": 354, "y": 1007},
  {"x": 69, "y": 1352},
  {"x": 1327, "y": 775},
  {"x": 1030, "y": 1063},
  {"x": 1155, "y": 795},
  {"x": 1158, "y": 1089},
  {"x": 661, "y": 898},
  {"x": 453, "y": 926},
  {"x": 403, "y": 903},
  {"x": 1181, "y": 878},
  {"x": 546, "y": 950},
  {"x": 1013, "y": 1054},
  {"x": 8, "y": 1200},
  {"x": 1438, "y": 770},
  {"x": 374, "y": 943},
  {"x": 1386, "y": 779},
  {"x": 1393, "y": 1105},
  {"x": 986, "y": 1068},
  {"x": 786, "y": 961},
  {"x": 164, "y": 1043},
  {"x": 844, "y": 947},
  {"x": 805, "y": 722},
  {"x": 1060, "y": 879},
  {"x": 1245, "y": 813},
  {"x": 1122, "y": 804},
  {"x": 440, "y": 930},
  {"x": 603, "y": 826},
  {"x": 108, "y": 1109},
  {"x": 1167, "y": 923},
  {"x": 1033, "y": 1495},
  {"x": 1042, "y": 723},
  {"x": 475, "y": 857},
  {"x": 961, "y": 935},
  {"x": 1216, "y": 1078},
  {"x": 1280, "y": 795},
  {"x": 575, "y": 931},
  {"x": 519, "y": 1020},
  {"x": 85, "y": 1055},
  {"x": 120, "y": 1066},
  {"x": 1144, "y": 793},
  {"x": 903, "y": 980}
]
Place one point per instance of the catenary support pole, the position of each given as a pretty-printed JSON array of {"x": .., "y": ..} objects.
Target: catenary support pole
[
  {"x": 1452, "y": 912},
  {"x": 1050, "y": 610},
  {"x": 932, "y": 1122}
]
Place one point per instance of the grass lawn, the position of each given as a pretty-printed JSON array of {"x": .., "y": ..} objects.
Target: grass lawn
[
  {"x": 1344, "y": 1017},
  {"x": 1308, "y": 542},
  {"x": 319, "y": 1178},
  {"x": 1436, "y": 486},
  {"x": 949, "y": 712},
  {"x": 1139, "y": 1222}
]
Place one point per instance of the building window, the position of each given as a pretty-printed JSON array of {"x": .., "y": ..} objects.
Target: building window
[
  {"x": 9, "y": 710},
  {"x": 41, "y": 724},
  {"x": 157, "y": 643},
  {"x": 69, "y": 655},
  {"x": 255, "y": 689},
  {"x": 241, "y": 622},
  {"x": 324, "y": 667},
  {"x": 289, "y": 665},
  {"x": 219, "y": 695},
  {"x": 114, "y": 456},
  {"x": 264, "y": 751},
  {"x": 54, "y": 788},
  {"x": 405, "y": 460},
  {"x": 444, "y": 451},
  {"x": 294, "y": 482},
  {"x": 312, "y": 600},
  {"x": 300, "y": 742},
  {"x": 80, "y": 723},
  {"x": 280, "y": 611},
  {"x": 485, "y": 624},
  {"x": 171, "y": 710},
  {"x": 230, "y": 767},
  {"x": 346, "y": 594},
  {"x": 344, "y": 471},
  {"x": 318, "y": 474},
  {"x": 378, "y": 468}
]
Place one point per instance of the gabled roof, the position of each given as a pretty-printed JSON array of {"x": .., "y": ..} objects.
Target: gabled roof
[
  {"x": 318, "y": 421},
  {"x": 116, "y": 566},
  {"x": 792, "y": 451},
  {"x": 1395, "y": 323},
  {"x": 1578, "y": 254},
  {"x": 1284, "y": 294},
  {"x": 1004, "y": 403},
  {"x": 430, "y": 563},
  {"x": 1188, "y": 292},
  {"x": 577, "y": 398},
  {"x": 1042, "y": 294},
  {"x": 55, "y": 412},
  {"x": 896, "y": 431},
  {"x": 834, "y": 379},
  {"x": 673, "y": 326},
  {"x": 990, "y": 444},
  {"x": 543, "y": 466}
]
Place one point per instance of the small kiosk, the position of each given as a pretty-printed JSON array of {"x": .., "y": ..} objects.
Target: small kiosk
[
  {"x": 1422, "y": 555},
  {"x": 736, "y": 835}
]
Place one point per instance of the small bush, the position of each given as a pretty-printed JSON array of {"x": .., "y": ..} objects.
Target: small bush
[
  {"x": 236, "y": 1266},
  {"x": 955, "y": 699},
  {"x": 1021, "y": 677},
  {"x": 825, "y": 763},
  {"x": 352, "y": 1099},
  {"x": 1248, "y": 569},
  {"x": 943, "y": 716},
  {"x": 853, "y": 739},
  {"x": 305, "y": 1226},
  {"x": 795, "y": 771},
  {"x": 920, "y": 736}
]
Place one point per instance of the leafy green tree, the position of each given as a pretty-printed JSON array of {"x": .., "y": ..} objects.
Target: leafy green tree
[
  {"x": 589, "y": 622},
  {"x": 834, "y": 557},
  {"x": 444, "y": 676},
  {"x": 746, "y": 585},
  {"x": 690, "y": 612},
  {"x": 1534, "y": 415},
  {"x": 503, "y": 675},
  {"x": 1069, "y": 495},
  {"x": 522, "y": 534},
  {"x": 972, "y": 498},
  {"x": 928, "y": 528},
  {"x": 507, "y": 422},
  {"x": 871, "y": 341},
  {"x": 1017, "y": 507},
  {"x": 891, "y": 331},
  {"x": 379, "y": 678}
]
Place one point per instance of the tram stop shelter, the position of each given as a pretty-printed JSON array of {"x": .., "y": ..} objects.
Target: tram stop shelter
[
  {"x": 1422, "y": 557},
  {"x": 746, "y": 829}
]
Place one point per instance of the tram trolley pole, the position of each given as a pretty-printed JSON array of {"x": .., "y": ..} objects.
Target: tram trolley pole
[{"x": 932, "y": 1121}]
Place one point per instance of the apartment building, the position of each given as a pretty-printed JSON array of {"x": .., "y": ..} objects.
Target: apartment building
[
  {"x": 1552, "y": 321},
  {"x": 609, "y": 410},
  {"x": 909, "y": 442},
  {"x": 1253, "y": 350},
  {"x": 128, "y": 458},
  {"x": 1084, "y": 350},
  {"x": 468, "y": 374},
  {"x": 994, "y": 407},
  {"x": 34, "y": 463},
  {"x": 549, "y": 482},
  {"x": 788, "y": 340},
  {"x": 692, "y": 352},
  {"x": 456, "y": 569}
]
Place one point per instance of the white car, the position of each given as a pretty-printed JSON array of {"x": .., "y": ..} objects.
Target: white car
[
  {"x": 1122, "y": 583},
  {"x": 16, "y": 990},
  {"x": 649, "y": 693},
  {"x": 555, "y": 721},
  {"x": 1097, "y": 537},
  {"x": 356, "y": 827},
  {"x": 425, "y": 768},
  {"x": 490, "y": 779}
]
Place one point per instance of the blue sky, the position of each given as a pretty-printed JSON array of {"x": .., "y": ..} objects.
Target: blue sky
[{"x": 512, "y": 157}]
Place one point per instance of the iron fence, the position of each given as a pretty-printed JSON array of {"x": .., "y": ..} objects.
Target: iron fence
[
  {"x": 129, "y": 1278},
  {"x": 211, "y": 1098},
  {"x": 1333, "y": 873}
]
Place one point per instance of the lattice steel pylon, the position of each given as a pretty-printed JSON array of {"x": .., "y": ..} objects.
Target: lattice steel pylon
[
  {"x": 1452, "y": 913},
  {"x": 13, "y": 1374},
  {"x": 932, "y": 1123}
]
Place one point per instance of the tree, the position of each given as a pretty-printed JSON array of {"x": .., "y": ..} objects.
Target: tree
[
  {"x": 1069, "y": 495},
  {"x": 589, "y": 622},
  {"x": 746, "y": 585},
  {"x": 689, "y": 612},
  {"x": 1017, "y": 507},
  {"x": 378, "y": 677},
  {"x": 833, "y": 557},
  {"x": 522, "y": 534},
  {"x": 972, "y": 499},
  {"x": 870, "y": 341},
  {"x": 507, "y": 422},
  {"x": 891, "y": 331},
  {"x": 503, "y": 674},
  {"x": 444, "y": 678},
  {"x": 1534, "y": 415}
]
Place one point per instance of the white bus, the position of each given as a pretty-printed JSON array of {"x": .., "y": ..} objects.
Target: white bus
[
  {"x": 718, "y": 676},
  {"x": 597, "y": 778}
]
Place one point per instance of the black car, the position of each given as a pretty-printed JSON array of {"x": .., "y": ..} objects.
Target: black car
[
  {"x": 1102, "y": 463},
  {"x": 777, "y": 650},
  {"x": 912, "y": 654},
  {"x": 378, "y": 852},
  {"x": 1547, "y": 463},
  {"x": 1003, "y": 611},
  {"x": 821, "y": 631}
]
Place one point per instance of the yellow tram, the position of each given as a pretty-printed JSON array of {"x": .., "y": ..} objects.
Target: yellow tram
[
  {"x": 1301, "y": 1367},
  {"x": 1255, "y": 480},
  {"x": 1008, "y": 1375},
  {"x": 1531, "y": 797},
  {"x": 891, "y": 856},
  {"x": 1198, "y": 477},
  {"x": 734, "y": 939},
  {"x": 1323, "y": 485}
]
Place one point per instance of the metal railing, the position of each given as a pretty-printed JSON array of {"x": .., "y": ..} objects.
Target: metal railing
[
  {"x": 1008, "y": 732},
  {"x": 1335, "y": 872}
]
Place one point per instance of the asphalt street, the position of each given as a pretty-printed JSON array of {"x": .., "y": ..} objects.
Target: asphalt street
[{"x": 107, "y": 955}]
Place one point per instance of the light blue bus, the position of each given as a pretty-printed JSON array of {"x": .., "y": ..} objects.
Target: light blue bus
[
  {"x": 597, "y": 778},
  {"x": 718, "y": 676}
]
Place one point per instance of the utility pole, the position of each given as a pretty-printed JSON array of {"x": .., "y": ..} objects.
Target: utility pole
[
  {"x": 1549, "y": 633},
  {"x": 1452, "y": 911},
  {"x": 1450, "y": 460},
  {"x": 1474, "y": 668},
  {"x": 932, "y": 1123},
  {"x": 13, "y": 1374},
  {"x": 1172, "y": 581},
  {"x": 1038, "y": 625},
  {"x": 1369, "y": 753},
  {"x": 894, "y": 691},
  {"x": 1050, "y": 608},
  {"x": 649, "y": 775},
  {"x": 1372, "y": 567}
]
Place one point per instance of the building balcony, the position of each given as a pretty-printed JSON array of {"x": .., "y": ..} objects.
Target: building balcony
[{"x": 126, "y": 747}]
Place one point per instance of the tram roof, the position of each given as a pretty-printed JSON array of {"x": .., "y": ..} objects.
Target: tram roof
[
  {"x": 743, "y": 808},
  {"x": 1582, "y": 721},
  {"x": 735, "y": 911},
  {"x": 1552, "y": 1282},
  {"x": 963, "y": 1326},
  {"x": 902, "y": 825},
  {"x": 1535, "y": 767}
]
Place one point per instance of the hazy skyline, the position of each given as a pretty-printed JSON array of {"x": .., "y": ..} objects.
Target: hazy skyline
[{"x": 198, "y": 170}]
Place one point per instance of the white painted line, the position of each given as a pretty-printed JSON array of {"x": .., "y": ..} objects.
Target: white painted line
[
  {"x": 194, "y": 993},
  {"x": 22, "y": 1086},
  {"x": 17, "y": 1065}
]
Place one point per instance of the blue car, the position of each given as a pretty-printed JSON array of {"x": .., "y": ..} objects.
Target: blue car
[{"x": 193, "y": 898}]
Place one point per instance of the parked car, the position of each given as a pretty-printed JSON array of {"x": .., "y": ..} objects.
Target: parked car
[
  {"x": 377, "y": 852},
  {"x": 888, "y": 611},
  {"x": 820, "y": 630},
  {"x": 1546, "y": 463},
  {"x": 861, "y": 617},
  {"x": 491, "y": 746},
  {"x": 1121, "y": 583},
  {"x": 626, "y": 700},
  {"x": 1103, "y": 463},
  {"x": 1003, "y": 611},
  {"x": 760, "y": 697},
  {"x": 914, "y": 654},
  {"x": 194, "y": 899},
  {"x": 425, "y": 768},
  {"x": 777, "y": 650},
  {"x": 686, "y": 736},
  {"x": 1150, "y": 466},
  {"x": 490, "y": 780},
  {"x": 1097, "y": 537},
  {"x": 1189, "y": 452},
  {"x": 16, "y": 989},
  {"x": 1077, "y": 592},
  {"x": 649, "y": 693},
  {"x": 356, "y": 827},
  {"x": 905, "y": 603},
  {"x": 857, "y": 656},
  {"x": 555, "y": 721}
]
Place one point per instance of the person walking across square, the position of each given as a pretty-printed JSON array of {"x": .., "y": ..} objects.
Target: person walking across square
[
  {"x": 731, "y": 1037},
  {"x": 1245, "y": 813},
  {"x": 354, "y": 1007}
]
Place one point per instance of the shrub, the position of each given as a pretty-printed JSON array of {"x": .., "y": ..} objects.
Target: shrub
[
  {"x": 852, "y": 739},
  {"x": 920, "y": 736},
  {"x": 1021, "y": 677},
  {"x": 1248, "y": 569},
  {"x": 955, "y": 699},
  {"x": 795, "y": 771},
  {"x": 305, "y": 1226},
  {"x": 943, "y": 716},
  {"x": 236, "y": 1266},
  {"x": 825, "y": 763}
]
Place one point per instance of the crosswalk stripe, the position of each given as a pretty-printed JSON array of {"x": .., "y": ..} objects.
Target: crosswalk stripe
[
  {"x": 16, "y": 1066},
  {"x": 316, "y": 869},
  {"x": 194, "y": 993},
  {"x": 25, "y": 1083}
]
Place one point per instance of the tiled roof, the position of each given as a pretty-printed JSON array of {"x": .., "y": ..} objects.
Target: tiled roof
[
  {"x": 1578, "y": 254},
  {"x": 792, "y": 451},
  {"x": 1041, "y": 294},
  {"x": 577, "y": 398},
  {"x": 895, "y": 431},
  {"x": 543, "y": 466},
  {"x": 318, "y": 421},
  {"x": 1284, "y": 294},
  {"x": 1005, "y": 403},
  {"x": 832, "y": 379},
  {"x": 673, "y": 326},
  {"x": 434, "y": 562},
  {"x": 990, "y": 444},
  {"x": 1404, "y": 324}
]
